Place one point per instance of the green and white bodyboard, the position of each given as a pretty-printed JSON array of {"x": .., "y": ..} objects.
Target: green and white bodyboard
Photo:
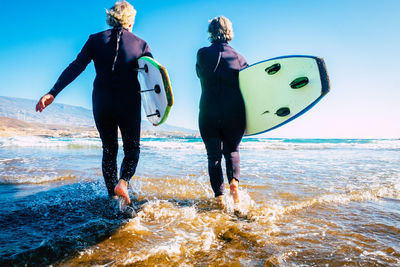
[
  {"x": 157, "y": 97},
  {"x": 279, "y": 90}
]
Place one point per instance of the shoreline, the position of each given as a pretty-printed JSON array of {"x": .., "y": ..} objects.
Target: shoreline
[{"x": 10, "y": 127}]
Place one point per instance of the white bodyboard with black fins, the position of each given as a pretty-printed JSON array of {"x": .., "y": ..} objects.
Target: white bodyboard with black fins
[
  {"x": 157, "y": 97},
  {"x": 279, "y": 90}
]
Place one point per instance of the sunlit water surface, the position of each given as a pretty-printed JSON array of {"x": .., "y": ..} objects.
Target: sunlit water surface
[{"x": 330, "y": 202}]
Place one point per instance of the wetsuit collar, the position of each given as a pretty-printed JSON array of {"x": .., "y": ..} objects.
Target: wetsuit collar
[
  {"x": 121, "y": 28},
  {"x": 220, "y": 42}
]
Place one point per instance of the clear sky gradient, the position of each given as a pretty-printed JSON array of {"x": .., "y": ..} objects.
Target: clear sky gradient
[{"x": 359, "y": 40}]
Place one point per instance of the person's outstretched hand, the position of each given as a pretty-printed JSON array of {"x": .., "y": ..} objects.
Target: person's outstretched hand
[{"x": 44, "y": 102}]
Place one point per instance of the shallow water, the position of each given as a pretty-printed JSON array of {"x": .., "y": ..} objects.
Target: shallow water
[{"x": 306, "y": 202}]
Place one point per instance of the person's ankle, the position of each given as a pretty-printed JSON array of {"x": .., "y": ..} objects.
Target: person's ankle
[
  {"x": 123, "y": 183},
  {"x": 234, "y": 185},
  {"x": 121, "y": 190},
  {"x": 220, "y": 200}
]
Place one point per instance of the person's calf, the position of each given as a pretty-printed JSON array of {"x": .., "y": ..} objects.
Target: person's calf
[{"x": 234, "y": 189}]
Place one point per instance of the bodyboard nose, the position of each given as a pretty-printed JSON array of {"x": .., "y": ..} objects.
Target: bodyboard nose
[{"x": 287, "y": 86}]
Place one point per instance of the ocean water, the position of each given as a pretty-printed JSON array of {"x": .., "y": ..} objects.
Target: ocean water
[{"x": 304, "y": 202}]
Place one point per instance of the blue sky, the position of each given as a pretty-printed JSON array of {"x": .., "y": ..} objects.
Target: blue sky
[{"x": 359, "y": 41}]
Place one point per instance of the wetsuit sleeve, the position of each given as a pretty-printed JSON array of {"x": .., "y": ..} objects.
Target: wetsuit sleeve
[
  {"x": 242, "y": 62},
  {"x": 146, "y": 50},
  {"x": 198, "y": 64},
  {"x": 74, "y": 69}
]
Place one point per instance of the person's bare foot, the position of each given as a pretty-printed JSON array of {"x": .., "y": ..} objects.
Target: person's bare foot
[
  {"x": 234, "y": 187},
  {"x": 122, "y": 191},
  {"x": 220, "y": 200}
]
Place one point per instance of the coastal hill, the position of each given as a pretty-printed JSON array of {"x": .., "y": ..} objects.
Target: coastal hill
[
  {"x": 18, "y": 117},
  {"x": 14, "y": 127}
]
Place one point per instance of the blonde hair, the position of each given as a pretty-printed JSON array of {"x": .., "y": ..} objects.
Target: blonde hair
[
  {"x": 220, "y": 29},
  {"x": 121, "y": 14}
]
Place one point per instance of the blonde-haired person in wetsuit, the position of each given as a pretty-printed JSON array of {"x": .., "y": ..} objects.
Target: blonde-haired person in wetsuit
[
  {"x": 222, "y": 114},
  {"x": 116, "y": 93}
]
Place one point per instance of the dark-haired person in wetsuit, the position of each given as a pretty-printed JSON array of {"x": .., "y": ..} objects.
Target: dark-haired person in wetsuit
[
  {"x": 116, "y": 93},
  {"x": 222, "y": 118}
]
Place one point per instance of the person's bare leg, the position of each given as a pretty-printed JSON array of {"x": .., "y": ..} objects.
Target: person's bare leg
[
  {"x": 234, "y": 187},
  {"x": 122, "y": 191}
]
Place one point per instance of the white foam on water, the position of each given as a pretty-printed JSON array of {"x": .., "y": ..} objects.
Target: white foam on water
[
  {"x": 379, "y": 254},
  {"x": 136, "y": 227},
  {"x": 173, "y": 145},
  {"x": 272, "y": 144},
  {"x": 190, "y": 144},
  {"x": 245, "y": 202},
  {"x": 272, "y": 212},
  {"x": 66, "y": 142},
  {"x": 16, "y": 160},
  {"x": 49, "y": 142},
  {"x": 282, "y": 258},
  {"x": 86, "y": 252},
  {"x": 188, "y": 187},
  {"x": 162, "y": 210},
  {"x": 35, "y": 179},
  {"x": 190, "y": 233}
]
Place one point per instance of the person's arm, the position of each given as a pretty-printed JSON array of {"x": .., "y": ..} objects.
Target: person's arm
[
  {"x": 146, "y": 51},
  {"x": 67, "y": 76},
  {"x": 242, "y": 62},
  {"x": 198, "y": 64},
  {"x": 74, "y": 69}
]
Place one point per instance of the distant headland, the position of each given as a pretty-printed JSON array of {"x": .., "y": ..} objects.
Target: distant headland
[{"x": 18, "y": 118}]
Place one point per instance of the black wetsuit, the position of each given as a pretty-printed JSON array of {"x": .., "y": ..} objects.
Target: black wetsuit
[
  {"x": 116, "y": 96},
  {"x": 222, "y": 118}
]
